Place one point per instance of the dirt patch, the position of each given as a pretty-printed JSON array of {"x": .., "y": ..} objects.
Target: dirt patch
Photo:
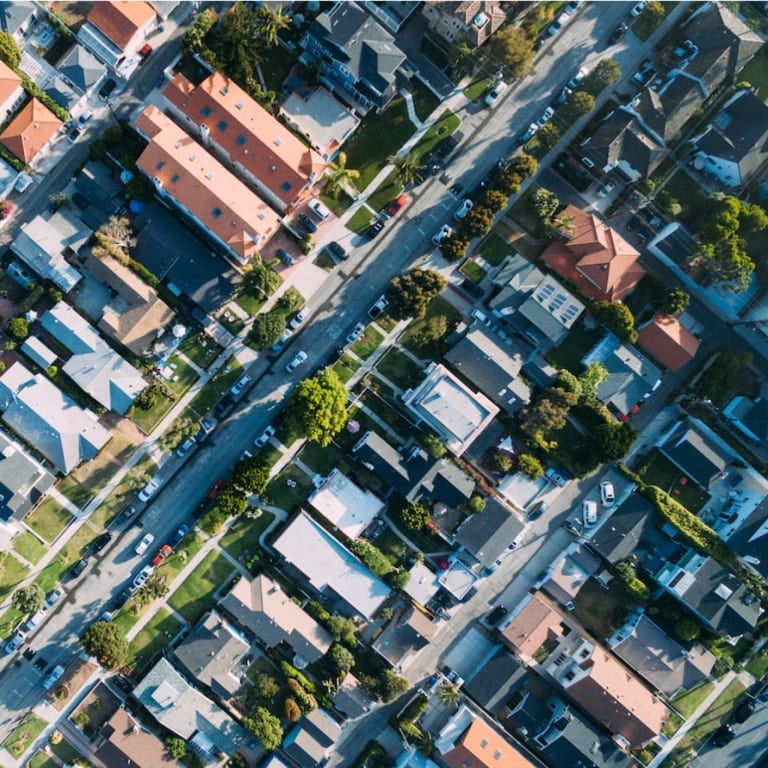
[
  {"x": 73, "y": 13},
  {"x": 95, "y": 710},
  {"x": 71, "y": 682}
]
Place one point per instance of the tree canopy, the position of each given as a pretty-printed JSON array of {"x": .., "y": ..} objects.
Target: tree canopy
[
  {"x": 106, "y": 643},
  {"x": 617, "y": 318},
  {"x": 676, "y": 301},
  {"x": 266, "y": 727},
  {"x": 510, "y": 48},
  {"x": 9, "y": 50},
  {"x": 726, "y": 262},
  {"x": 251, "y": 475},
  {"x": 266, "y": 329},
  {"x": 606, "y": 73},
  {"x": 318, "y": 407},
  {"x": 410, "y": 294},
  {"x": 29, "y": 599},
  {"x": 415, "y": 515}
]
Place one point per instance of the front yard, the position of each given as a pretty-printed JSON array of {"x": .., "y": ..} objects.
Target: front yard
[
  {"x": 48, "y": 520},
  {"x": 494, "y": 249},
  {"x": 289, "y": 490},
  {"x": 368, "y": 343},
  {"x": 400, "y": 369},
  {"x": 11, "y": 573},
  {"x": 242, "y": 538},
  {"x": 155, "y": 635},
  {"x": 29, "y": 547},
  {"x": 195, "y": 595},
  {"x": 24, "y": 735}
]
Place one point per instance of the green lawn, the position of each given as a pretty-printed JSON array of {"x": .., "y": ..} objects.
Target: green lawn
[
  {"x": 379, "y": 136},
  {"x": 360, "y": 220},
  {"x": 424, "y": 100},
  {"x": 66, "y": 753},
  {"x": 758, "y": 665},
  {"x": 392, "y": 546},
  {"x": 687, "y": 702},
  {"x": 200, "y": 349},
  {"x": 575, "y": 345},
  {"x": 345, "y": 367},
  {"x": 270, "y": 454},
  {"x": 477, "y": 88},
  {"x": 155, "y": 635},
  {"x": 288, "y": 497},
  {"x": 338, "y": 202},
  {"x": 12, "y": 571},
  {"x": 242, "y": 538},
  {"x": 78, "y": 493},
  {"x": 600, "y": 610},
  {"x": 661, "y": 472},
  {"x": 184, "y": 375},
  {"x": 523, "y": 214},
  {"x": 442, "y": 128},
  {"x": 147, "y": 419},
  {"x": 437, "y": 307},
  {"x": 756, "y": 73},
  {"x": 188, "y": 547},
  {"x": 386, "y": 412},
  {"x": 195, "y": 595},
  {"x": 233, "y": 325},
  {"x": 48, "y": 520},
  {"x": 250, "y": 303},
  {"x": 322, "y": 460},
  {"x": 386, "y": 192},
  {"x": 688, "y": 193},
  {"x": 25, "y": 735},
  {"x": 29, "y": 547},
  {"x": 215, "y": 389},
  {"x": 368, "y": 343},
  {"x": 495, "y": 249},
  {"x": 277, "y": 66},
  {"x": 400, "y": 369},
  {"x": 473, "y": 271}
]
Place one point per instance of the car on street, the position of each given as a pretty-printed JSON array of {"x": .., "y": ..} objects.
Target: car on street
[
  {"x": 380, "y": 305},
  {"x": 298, "y": 319},
  {"x": 15, "y": 642},
  {"x": 264, "y": 437},
  {"x": 495, "y": 93},
  {"x": 150, "y": 488},
  {"x": 546, "y": 116},
  {"x": 300, "y": 359},
  {"x": 285, "y": 257},
  {"x": 577, "y": 78},
  {"x": 638, "y": 8},
  {"x": 206, "y": 427},
  {"x": 122, "y": 598},
  {"x": 375, "y": 228},
  {"x": 528, "y": 134},
  {"x": 744, "y": 710},
  {"x": 240, "y": 385},
  {"x": 445, "y": 231},
  {"x": 185, "y": 448},
  {"x": 280, "y": 343},
  {"x": 606, "y": 189},
  {"x": 101, "y": 541},
  {"x": 141, "y": 577},
  {"x": 107, "y": 88},
  {"x": 78, "y": 567},
  {"x": 179, "y": 535},
  {"x": 398, "y": 204},
  {"x": 355, "y": 333},
  {"x": 145, "y": 52},
  {"x": 85, "y": 117},
  {"x": 215, "y": 490},
  {"x": 446, "y": 147},
  {"x": 456, "y": 190},
  {"x": 144, "y": 544},
  {"x": 554, "y": 477},
  {"x": 607, "y": 493},
  {"x": 723, "y": 735},
  {"x": 338, "y": 251},
  {"x": 618, "y": 33},
  {"x": 307, "y": 223},
  {"x": 536, "y": 511},
  {"x": 54, "y": 597},
  {"x": 589, "y": 512},
  {"x": 162, "y": 553},
  {"x": 587, "y": 162},
  {"x": 73, "y": 135},
  {"x": 463, "y": 210}
]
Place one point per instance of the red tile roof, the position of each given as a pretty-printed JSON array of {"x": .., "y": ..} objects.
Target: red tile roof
[
  {"x": 9, "y": 82},
  {"x": 668, "y": 341},
  {"x": 248, "y": 134},
  {"x": 204, "y": 187},
  {"x": 32, "y": 128},
  {"x": 119, "y": 21},
  {"x": 482, "y": 747},
  {"x": 129, "y": 744},
  {"x": 594, "y": 257}
]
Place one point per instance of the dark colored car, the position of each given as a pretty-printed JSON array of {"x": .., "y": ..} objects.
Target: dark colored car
[
  {"x": 338, "y": 251},
  {"x": 536, "y": 511},
  {"x": 496, "y": 615},
  {"x": 78, "y": 567},
  {"x": 375, "y": 228},
  {"x": 101, "y": 541},
  {"x": 215, "y": 490},
  {"x": 81, "y": 201},
  {"x": 447, "y": 146},
  {"x": 179, "y": 535},
  {"x": 744, "y": 710},
  {"x": 224, "y": 407},
  {"x": 106, "y": 89},
  {"x": 472, "y": 288},
  {"x": 285, "y": 257},
  {"x": 723, "y": 735},
  {"x": 307, "y": 223},
  {"x": 618, "y": 33},
  {"x": 633, "y": 223},
  {"x": 119, "y": 601},
  {"x": 206, "y": 427}
]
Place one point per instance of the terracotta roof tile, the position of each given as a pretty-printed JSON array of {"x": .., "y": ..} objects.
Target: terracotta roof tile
[
  {"x": 119, "y": 21},
  {"x": 668, "y": 341},
  {"x": 32, "y": 128},
  {"x": 485, "y": 748},
  {"x": 9, "y": 82}
]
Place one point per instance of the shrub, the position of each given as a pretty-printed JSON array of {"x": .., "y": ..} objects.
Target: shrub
[{"x": 294, "y": 674}]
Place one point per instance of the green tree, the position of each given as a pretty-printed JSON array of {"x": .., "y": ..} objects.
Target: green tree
[
  {"x": 617, "y": 318},
  {"x": 106, "y": 643},
  {"x": 727, "y": 263},
  {"x": 269, "y": 21},
  {"x": 230, "y": 501},
  {"x": 408, "y": 168},
  {"x": 653, "y": 14},
  {"x": 454, "y": 248},
  {"x": 549, "y": 412},
  {"x": 317, "y": 407},
  {"x": 614, "y": 440},
  {"x": 391, "y": 685},
  {"x": 266, "y": 686},
  {"x": 267, "y": 328},
  {"x": 266, "y": 727},
  {"x": 494, "y": 200},
  {"x": 18, "y": 327},
  {"x": 372, "y": 556},
  {"x": 251, "y": 475},
  {"x": 591, "y": 379},
  {"x": 752, "y": 217},
  {"x": 530, "y": 466},
  {"x": 433, "y": 445},
  {"x": 9, "y": 50},
  {"x": 500, "y": 461},
  {"x": 149, "y": 396},
  {"x": 687, "y": 629},
  {"x": 29, "y": 599},
  {"x": 235, "y": 42},
  {"x": 449, "y": 694},
  {"x": 525, "y": 165},
  {"x": 398, "y": 578},
  {"x": 578, "y": 104},
  {"x": 339, "y": 175},
  {"x": 462, "y": 59},
  {"x": 479, "y": 220},
  {"x": 341, "y": 658},
  {"x": 544, "y": 203},
  {"x": 342, "y": 629},
  {"x": 607, "y": 72},
  {"x": 415, "y": 515},
  {"x": 291, "y": 301},
  {"x": 676, "y": 301},
  {"x": 410, "y": 294},
  {"x": 476, "y": 504},
  {"x": 510, "y": 48},
  {"x": 194, "y": 35},
  {"x": 548, "y": 136},
  {"x": 177, "y": 748},
  {"x": 259, "y": 279},
  {"x": 434, "y": 329}
]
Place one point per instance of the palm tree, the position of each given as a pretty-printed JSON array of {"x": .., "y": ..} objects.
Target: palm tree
[
  {"x": 426, "y": 743},
  {"x": 407, "y": 168},
  {"x": 339, "y": 176},
  {"x": 269, "y": 21},
  {"x": 449, "y": 694},
  {"x": 564, "y": 225}
]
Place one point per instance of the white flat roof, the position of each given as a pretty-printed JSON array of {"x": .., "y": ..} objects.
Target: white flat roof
[
  {"x": 423, "y": 584},
  {"x": 458, "y": 579},
  {"x": 347, "y": 506}
]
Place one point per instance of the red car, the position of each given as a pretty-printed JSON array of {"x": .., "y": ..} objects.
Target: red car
[
  {"x": 162, "y": 553},
  {"x": 397, "y": 205},
  {"x": 145, "y": 51},
  {"x": 215, "y": 490}
]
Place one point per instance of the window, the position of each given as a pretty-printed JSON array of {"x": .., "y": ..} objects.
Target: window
[
  {"x": 222, "y": 125},
  {"x": 285, "y": 186},
  {"x": 216, "y": 213},
  {"x": 240, "y": 140},
  {"x": 161, "y": 165},
  {"x": 175, "y": 178},
  {"x": 206, "y": 111}
]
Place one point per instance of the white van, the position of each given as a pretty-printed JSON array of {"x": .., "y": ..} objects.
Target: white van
[
  {"x": 589, "y": 512},
  {"x": 319, "y": 210}
]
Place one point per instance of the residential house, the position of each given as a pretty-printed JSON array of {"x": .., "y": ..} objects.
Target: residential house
[
  {"x": 486, "y": 535},
  {"x": 94, "y": 366},
  {"x": 208, "y": 730},
  {"x": 749, "y": 416},
  {"x": 694, "y": 452},
  {"x": 11, "y": 92},
  {"x": 469, "y": 21},
  {"x": 266, "y": 612},
  {"x": 469, "y": 740},
  {"x": 312, "y": 739},
  {"x": 44, "y": 244},
  {"x": 592, "y": 256},
  {"x": 735, "y": 145},
  {"x": 481, "y": 360},
  {"x": 24, "y": 482},
  {"x": 631, "y": 377},
  {"x": 450, "y": 408},
  {"x": 31, "y": 131},
  {"x": 408, "y": 632},
  {"x": 64, "y": 94},
  {"x": 359, "y": 57},
  {"x": 668, "y": 341},
  {"x": 720, "y": 601},
  {"x": 657, "y": 658},
  {"x": 115, "y": 29},
  {"x": 422, "y": 585},
  {"x": 127, "y": 743},
  {"x": 568, "y": 574},
  {"x": 559, "y": 649},
  {"x": 321, "y": 119},
  {"x": 493, "y": 683},
  {"x": 346, "y": 506},
  {"x": 194, "y": 182},
  {"x": 164, "y": 8},
  {"x": 215, "y": 654},
  {"x": 84, "y": 71},
  {"x": 392, "y": 13},
  {"x": 636, "y": 138},
  {"x": 458, "y": 580},
  {"x": 135, "y": 315},
  {"x": 18, "y": 18},
  {"x": 748, "y": 541},
  {"x": 352, "y": 698},
  {"x": 632, "y": 524},
  {"x": 49, "y": 420},
  {"x": 246, "y": 138},
  {"x": 329, "y": 566},
  {"x": 445, "y": 486}
]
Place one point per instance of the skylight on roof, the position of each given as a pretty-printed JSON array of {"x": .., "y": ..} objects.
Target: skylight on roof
[
  {"x": 175, "y": 178},
  {"x": 224, "y": 91},
  {"x": 240, "y": 140},
  {"x": 160, "y": 165},
  {"x": 240, "y": 105},
  {"x": 285, "y": 186},
  {"x": 216, "y": 213},
  {"x": 205, "y": 111},
  {"x": 222, "y": 125},
  {"x": 278, "y": 141}
]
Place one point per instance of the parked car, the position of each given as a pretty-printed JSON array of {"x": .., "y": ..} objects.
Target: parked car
[
  {"x": 122, "y": 598},
  {"x": 162, "y": 553},
  {"x": 78, "y": 567},
  {"x": 179, "y": 535},
  {"x": 587, "y": 162},
  {"x": 54, "y": 597},
  {"x": 496, "y": 615},
  {"x": 264, "y": 437},
  {"x": 618, "y": 33},
  {"x": 185, "y": 448},
  {"x": 398, "y": 204},
  {"x": 144, "y": 544},
  {"x": 463, "y": 210},
  {"x": 445, "y": 231},
  {"x": 744, "y": 710},
  {"x": 319, "y": 210},
  {"x": 589, "y": 512},
  {"x": 638, "y": 8},
  {"x": 528, "y": 134},
  {"x": 546, "y": 116},
  {"x": 141, "y": 577},
  {"x": 355, "y": 333},
  {"x": 537, "y": 510},
  {"x": 14, "y": 642},
  {"x": 107, "y": 88},
  {"x": 280, "y": 343},
  {"x": 307, "y": 223},
  {"x": 73, "y": 135},
  {"x": 494, "y": 94},
  {"x": 101, "y": 541},
  {"x": 145, "y": 52},
  {"x": 375, "y": 228},
  {"x": 338, "y": 251},
  {"x": 606, "y": 189},
  {"x": 85, "y": 117},
  {"x": 723, "y": 735},
  {"x": 446, "y": 147},
  {"x": 298, "y": 319},
  {"x": 206, "y": 427},
  {"x": 224, "y": 407},
  {"x": 554, "y": 477},
  {"x": 607, "y": 493},
  {"x": 285, "y": 257},
  {"x": 240, "y": 385},
  {"x": 380, "y": 305},
  {"x": 300, "y": 359},
  {"x": 215, "y": 490},
  {"x": 150, "y": 488}
]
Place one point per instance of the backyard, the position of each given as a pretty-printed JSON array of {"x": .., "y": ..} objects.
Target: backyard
[
  {"x": 576, "y": 344},
  {"x": 756, "y": 73},
  {"x": 494, "y": 249},
  {"x": 687, "y": 192},
  {"x": 195, "y": 595},
  {"x": 659, "y": 471},
  {"x": 601, "y": 610}
]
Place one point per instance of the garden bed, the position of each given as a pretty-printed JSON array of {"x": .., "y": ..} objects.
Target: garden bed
[{"x": 24, "y": 735}]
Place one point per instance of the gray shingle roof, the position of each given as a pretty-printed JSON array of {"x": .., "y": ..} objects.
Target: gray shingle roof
[
  {"x": 485, "y": 535},
  {"x": 689, "y": 449},
  {"x": 81, "y": 68}
]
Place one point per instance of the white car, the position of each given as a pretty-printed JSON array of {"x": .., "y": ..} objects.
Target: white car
[
  {"x": 14, "y": 642},
  {"x": 355, "y": 333},
  {"x": 144, "y": 544},
  {"x": 280, "y": 343},
  {"x": 546, "y": 117},
  {"x": 638, "y": 8},
  {"x": 607, "y": 493},
  {"x": 495, "y": 92},
  {"x": 150, "y": 488},
  {"x": 445, "y": 231},
  {"x": 240, "y": 385},
  {"x": 185, "y": 448},
  {"x": 463, "y": 210},
  {"x": 300, "y": 359},
  {"x": 142, "y": 576},
  {"x": 298, "y": 319},
  {"x": 264, "y": 437},
  {"x": 54, "y": 597},
  {"x": 607, "y": 189},
  {"x": 589, "y": 512}
]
